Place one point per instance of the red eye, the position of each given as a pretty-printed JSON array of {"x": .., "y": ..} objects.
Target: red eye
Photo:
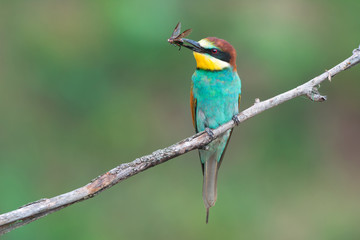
[{"x": 214, "y": 50}]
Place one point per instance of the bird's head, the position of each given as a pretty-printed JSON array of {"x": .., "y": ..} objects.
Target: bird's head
[{"x": 212, "y": 53}]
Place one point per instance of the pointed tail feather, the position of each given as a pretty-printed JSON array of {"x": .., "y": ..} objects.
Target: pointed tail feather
[
  {"x": 207, "y": 215},
  {"x": 210, "y": 183}
]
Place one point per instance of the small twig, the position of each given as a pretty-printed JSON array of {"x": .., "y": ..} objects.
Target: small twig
[
  {"x": 329, "y": 75},
  {"x": 35, "y": 210}
]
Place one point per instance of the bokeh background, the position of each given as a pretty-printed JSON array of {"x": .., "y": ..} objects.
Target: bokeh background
[{"x": 88, "y": 85}]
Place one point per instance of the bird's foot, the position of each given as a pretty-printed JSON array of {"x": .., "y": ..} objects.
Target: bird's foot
[
  {"x": 236, "y": 120},
  {"x": 210, "y": 133},
  {"x": 205, "y": 148}
]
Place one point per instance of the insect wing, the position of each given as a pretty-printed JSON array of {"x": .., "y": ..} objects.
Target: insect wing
[
  {"x": 184, "y": 33},
  {"x": 176, "y": 32}
]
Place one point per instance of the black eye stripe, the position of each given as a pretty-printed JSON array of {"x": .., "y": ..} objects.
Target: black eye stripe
[{"x": 224, "y": 56}]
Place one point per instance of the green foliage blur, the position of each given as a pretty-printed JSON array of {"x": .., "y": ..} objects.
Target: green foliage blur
[{"x": 88, "y": 85}]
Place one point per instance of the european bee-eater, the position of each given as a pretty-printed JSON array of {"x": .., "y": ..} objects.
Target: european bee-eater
[{"x": 214, "y": 100}]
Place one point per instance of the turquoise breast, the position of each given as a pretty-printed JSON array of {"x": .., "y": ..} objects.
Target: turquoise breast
[{"x": 217, "y": 95}]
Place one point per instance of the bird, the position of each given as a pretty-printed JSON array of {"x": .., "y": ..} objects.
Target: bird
[{"x": 215, "y": 96}]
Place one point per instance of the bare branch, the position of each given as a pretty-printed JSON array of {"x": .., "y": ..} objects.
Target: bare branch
[{"x": 43, "y": 207}]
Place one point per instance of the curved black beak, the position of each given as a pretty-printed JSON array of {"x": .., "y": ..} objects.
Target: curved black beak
[{"x": 193, "y": 45}]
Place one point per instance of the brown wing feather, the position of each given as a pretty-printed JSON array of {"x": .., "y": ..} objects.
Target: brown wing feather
[{"x": 193, "y": 108}]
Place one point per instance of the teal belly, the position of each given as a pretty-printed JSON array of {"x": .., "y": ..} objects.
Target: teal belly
[
  {"x": 217, "y": 95},
  {"x": 212, "y": 113}
]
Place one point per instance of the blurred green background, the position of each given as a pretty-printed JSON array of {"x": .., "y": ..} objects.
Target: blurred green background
[{"x": 88, "y": 85}]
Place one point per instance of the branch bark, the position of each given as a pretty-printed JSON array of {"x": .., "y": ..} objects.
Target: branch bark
[{"x": 38, "y": 209}]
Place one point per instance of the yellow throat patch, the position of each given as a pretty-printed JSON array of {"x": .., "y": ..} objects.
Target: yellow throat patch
[{"x": 207, "y": 62}]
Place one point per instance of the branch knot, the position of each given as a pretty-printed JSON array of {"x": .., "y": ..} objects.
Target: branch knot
[{"x": 315, "y": 96}]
